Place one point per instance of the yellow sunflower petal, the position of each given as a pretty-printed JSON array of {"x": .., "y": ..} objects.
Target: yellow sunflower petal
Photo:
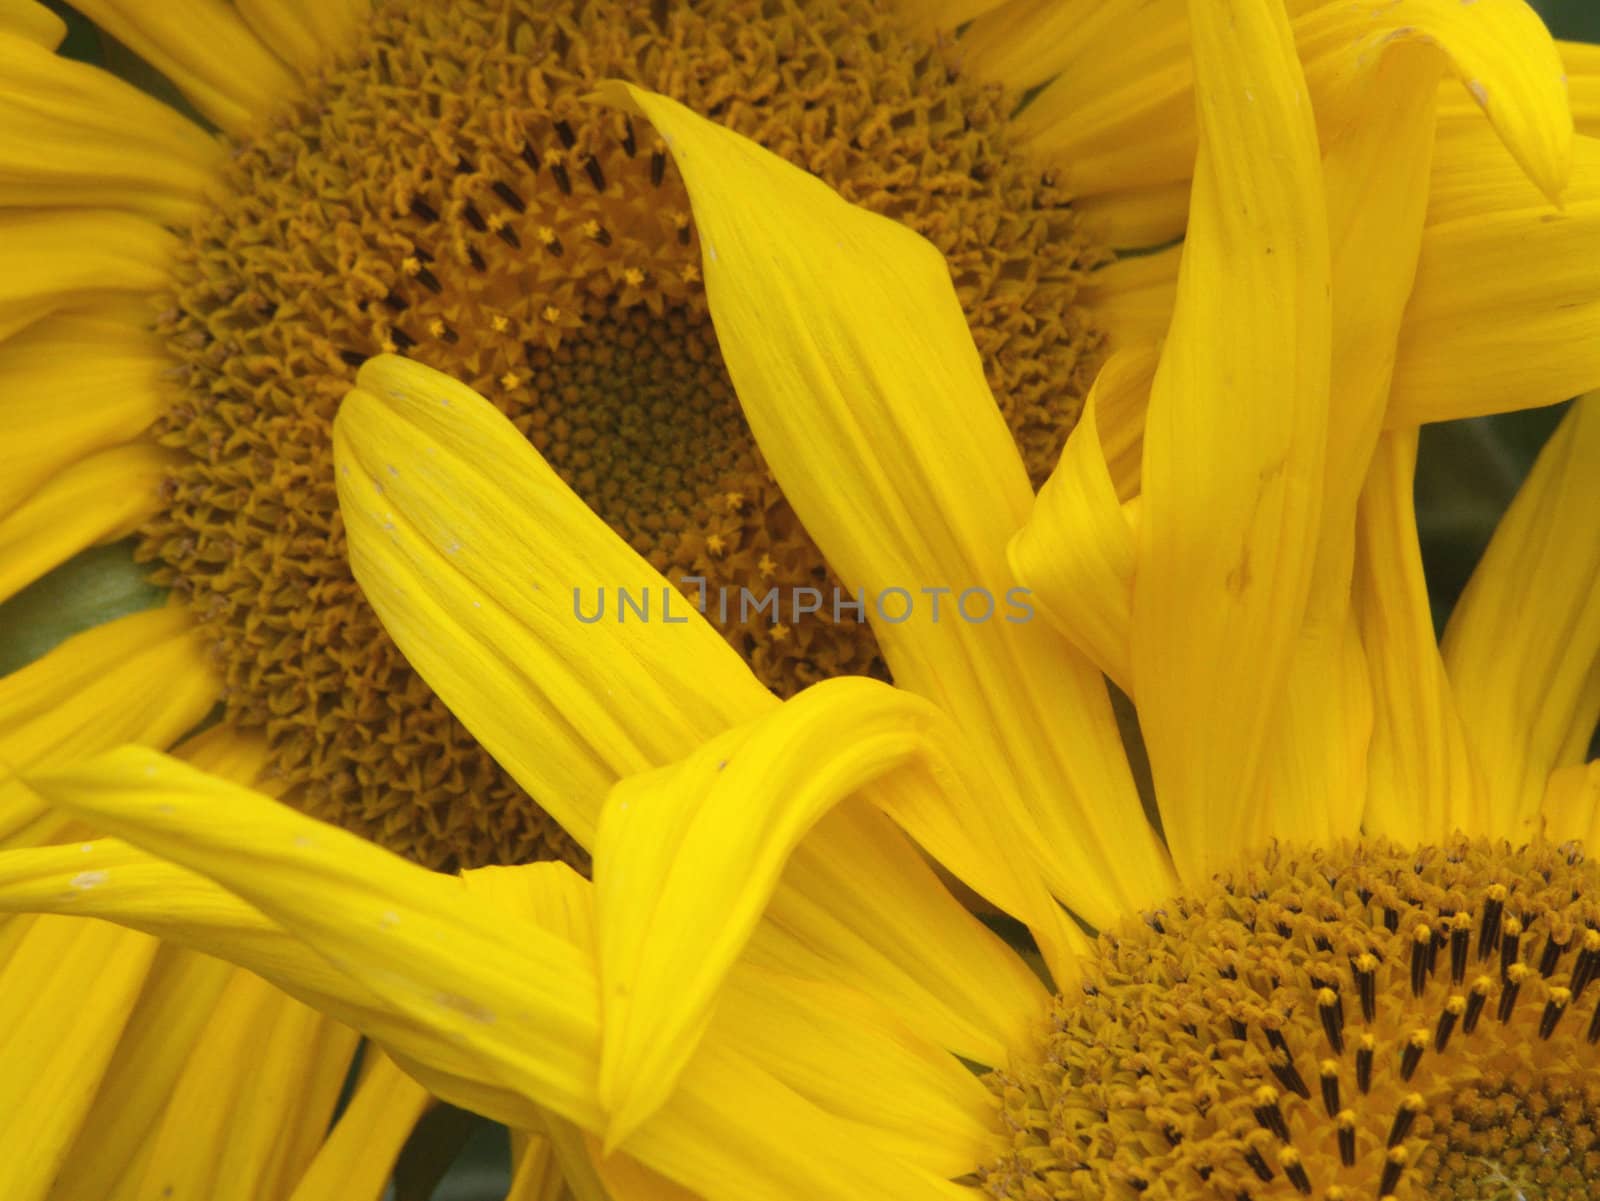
[
  {"x": 1132, "y": 298},
  {"x": 1077, "y": 551},
  {"x": 33, "y": 21},
  {"x": 76, "y": 257},
  {"x": 101, "y": 371},
  {"x": 484, "y": 609},
  {"x": 179, "y": 998},
  {"x": 489, "y": 614},
  {"x": 516, "y": 1001},
  {"x": 688, "y": 856},
  {"x": 907, "y": 1096},
  {"x": 1375, "y": 169},
  {"x": 205, "y": 48},
  {"x": 65, "y": 993},
  {"x": 1583, "y": 84},
  {"x": 1123, "y": 116},
  {"x": 225, "y": 1130},
  {"x": 854, "y": 367},
  {"x": 98, "y": 499},
  {"x": 1499, "y": 49},
  {"x": 1136, "y": 217},
  {"x": 1136, "y": 128},
  {"x": 1571, "y": 805},
  {"x": 1422, "y": 783},
  {"x": 930, "y": 17},
  {"x": 1504, "y": 314},
  {"x": 359, "y": 906},
  {"x": 355, "y": 1162},
  {"x": 143, "y": 678},
  {"x": 1022, "y": 43},
  {"x": 303, "y": 32},
  {"x": 79, "y": 136},
  {"x": 1522, "y": 644},
  {"x": 1234, "y": 441}
]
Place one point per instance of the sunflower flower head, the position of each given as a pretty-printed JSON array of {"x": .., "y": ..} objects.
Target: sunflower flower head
[{"x": 435, "y": 181}]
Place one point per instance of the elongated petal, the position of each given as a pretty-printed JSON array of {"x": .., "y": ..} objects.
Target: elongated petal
[
  {"x": 143, "y": 678},
  {"x": 1422, "y": 783},
  {"x": 358, "y": 1158},
  {"x": 1504, "y": 314},
  {"x": 33, "y": 21},
  {"x": 688, "y": 856},
  {"x": 490, "y": 615},
  {"x": 155, "y": 1044},
  {"x": 907, "y": 1096},
  {"x": 66, "y": 989},
  {"x": 1523, "y": 641},
  {"x": 1571, "y": 805},
  {"x": 484, "y": 609},
  {"x": 1132, "y": 298},
  {"x": 206, "y": 49},
  {"x": 75, "y": 257},
  {"x": 1375, "y": 169},
  {"x": 303, "y": 32},
  {"x": 1583, "y": 84},
  {"x": 102, "y": 373},
  {"x": 1234, "y": 442},
  {"x": 77, "y": 135},
  {"x": 1077, "y": 551},
  {"x": 516, "y": 1001},
  {"x": 99, "y": 499},
  {"x": 842, "y": 334},
  {"x": 1135, "y": 218}
]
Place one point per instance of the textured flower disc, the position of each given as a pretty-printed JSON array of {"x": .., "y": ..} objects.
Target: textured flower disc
[
  {"x": 446, "y": 191},
  {"x": 1345, "y": 1025}
]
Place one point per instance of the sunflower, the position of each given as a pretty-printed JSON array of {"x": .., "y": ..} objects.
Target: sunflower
[{"x": 1348, "y": 952}]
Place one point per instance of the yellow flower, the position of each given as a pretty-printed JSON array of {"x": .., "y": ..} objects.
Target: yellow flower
[{"x": 764, "y": 992}]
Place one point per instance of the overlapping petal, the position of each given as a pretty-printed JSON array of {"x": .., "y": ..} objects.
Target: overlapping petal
[
  {"x": 689, "y": 854},
  {"x": 844, "y": 339},
  {"x": 1234, "y": 442},
  {"x": 487, "y": 614},
  {"x": 466, "y": 983}
]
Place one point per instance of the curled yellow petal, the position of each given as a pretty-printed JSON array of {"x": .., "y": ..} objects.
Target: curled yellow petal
[
  {"x": 688, "y": 856},
  {"x": 1234, "y": 440},
  {"x": 1077, "y": 551},
  {"x": 102, "y": 373},
  {"x": 1505, "y": 312},
  {"x": 843, "y": 336}
]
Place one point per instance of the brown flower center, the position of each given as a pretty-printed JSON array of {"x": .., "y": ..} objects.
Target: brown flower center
[
  {"x": 1353, "y": 1024},
  {"x": 446, "y": 191}
]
